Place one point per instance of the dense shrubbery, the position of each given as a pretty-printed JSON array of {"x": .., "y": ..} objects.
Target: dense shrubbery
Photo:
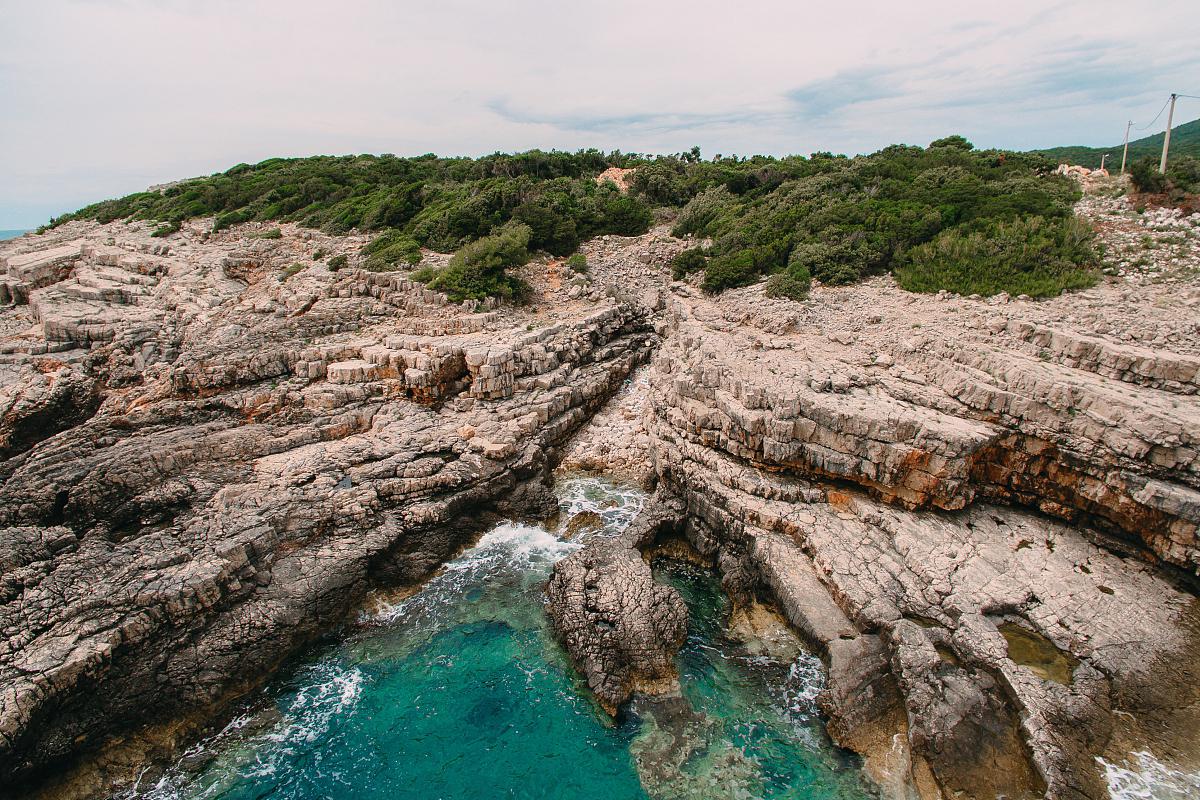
[
  {"x": 843, "y": 219},
  {"x": 479, "y": 269},
  {"x": 1182, "y": 177},
  {"x": 687, "y": 262},
  {"x": 1034, "y": 256},
  {"x": 826, "y": 217},
  {"x": 389, "y": 249}
]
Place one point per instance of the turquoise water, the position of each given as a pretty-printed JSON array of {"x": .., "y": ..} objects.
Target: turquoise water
[
  {"x": 461, "y": 692},
  {"x": 11, "y": 234}
]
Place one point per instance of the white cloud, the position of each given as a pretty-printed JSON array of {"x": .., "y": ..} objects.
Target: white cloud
[{"x": 105, "y": 97}]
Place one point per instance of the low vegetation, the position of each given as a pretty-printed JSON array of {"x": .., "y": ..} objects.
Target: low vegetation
[
  {"x": 389, "y": 250},
  {"x": 1181, "y": 179},
  {"x": 480, "y": 269},
  {"x": 944, "y": 216}
]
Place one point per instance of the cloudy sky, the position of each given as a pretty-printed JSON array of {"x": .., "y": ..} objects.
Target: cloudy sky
[{"x": 99, "y": 98}]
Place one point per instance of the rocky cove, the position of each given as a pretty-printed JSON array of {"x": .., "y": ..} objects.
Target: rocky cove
[{"x": 979, "y": 513}]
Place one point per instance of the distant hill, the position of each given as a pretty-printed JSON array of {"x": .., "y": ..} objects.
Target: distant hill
[{"x": 1185, "y": 141}]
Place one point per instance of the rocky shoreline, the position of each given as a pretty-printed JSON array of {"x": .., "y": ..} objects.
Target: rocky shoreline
[{"x": 982, "y": 513}]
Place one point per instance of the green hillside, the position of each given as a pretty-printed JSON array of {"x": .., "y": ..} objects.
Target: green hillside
[{"x": 1185, "y": 141}]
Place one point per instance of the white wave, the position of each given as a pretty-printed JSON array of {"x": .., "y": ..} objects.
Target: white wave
[
  {"x": 326, "y": 692},
  {"x": 1150, "y": 780},
  {"x": 805, "y": 681},
  {"x": 329, "y": 692},
  {"x": 617, "y": 505},
  {"x": 514, "y": 549}
]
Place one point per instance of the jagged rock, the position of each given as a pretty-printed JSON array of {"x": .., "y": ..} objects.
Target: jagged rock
[
  {"x": 917, "y": 482},
  {"x": 621, "y": 628},
  {"x": 216, "y": 463}
]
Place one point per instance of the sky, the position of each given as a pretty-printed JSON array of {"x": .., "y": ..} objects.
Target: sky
[{"x": 99, "y": 98}]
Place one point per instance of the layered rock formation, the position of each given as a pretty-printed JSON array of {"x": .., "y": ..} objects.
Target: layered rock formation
[
  {"x": 210, "y": 454},
  {"x": 982, "y": 513}
]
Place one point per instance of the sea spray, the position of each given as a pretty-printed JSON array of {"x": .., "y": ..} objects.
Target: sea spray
[{"x": 460, "y": 691}]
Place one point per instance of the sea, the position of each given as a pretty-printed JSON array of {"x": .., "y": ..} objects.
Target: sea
[
  {"x": 12, "y": 234},
  {"x": 461, "y": 692}
]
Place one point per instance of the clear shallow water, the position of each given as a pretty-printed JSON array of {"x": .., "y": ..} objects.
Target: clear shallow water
[
  {"x": 11, "y": 234},
  {"x": 460, "y": 691}
]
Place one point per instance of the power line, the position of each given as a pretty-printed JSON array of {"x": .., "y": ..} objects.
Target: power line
[{"x": 1156, "y": 116}]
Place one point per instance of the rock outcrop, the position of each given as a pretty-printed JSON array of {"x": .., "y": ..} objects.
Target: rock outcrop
[
  {"x": 620, "y": 627},
  {"x": 982, "y": 513},
  {"x": 211, "y": 454}
]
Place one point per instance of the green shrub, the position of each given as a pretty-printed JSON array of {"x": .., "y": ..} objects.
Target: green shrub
[
  {"x": 424, "y": 275},
  {"x": 954, "y": 142},
  {"x": 387, "y": 251},
  {"x": 702, "y": 211},
  {"x": 273, "y": 233},
  {"x": 1145, "y": 176},
  {"x": 687, "y": 262},
  {"x": 290, "y": 271},
  {"x": 794, "y": 285},
  {"x": 832, "y": 264},
  {"x": 167, "y": 229},
  {"x": 623, "y": 215},
  {"x": 479, "y": 269},
  {"x": 337, "y": 262},
  {"x": 869, "y": 212},
  {"x": 319, "y": 253},
  {"x": 726, "y": 271},
  {"x": 795, "y": 280},
  {"x": 578, "y": 263},
  {"x": 1182, "y": 177},
  {"x": 1036, "y": 256}
]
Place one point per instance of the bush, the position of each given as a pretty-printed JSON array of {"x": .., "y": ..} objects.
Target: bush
[
  {"x": 578, "y": 263},
  {"x": 337, "y": 262},
  {"x": 479, "y": 269},
  {"x": 795, "y": 280},
  {"x": 623, "y": 215},
  {"x": 954, "y": 142},
  {"x": 1035, "y": 256},
  {"x": 389, "y": 249},
  {"x": 727, "y": 271},
  {"x": 831, "y": 264},
  {"x": 1145, "y": 177},
  {"x": 867, "y": 213},
  {"x": 319, "y": 253},
  {"x": 167, "y": 229},
  {"x": 784, "y": 284},
  {"x": 687, "y": 262},
  {"x": 702, "y": 211},
  {"x": 273, "y": 233},
  {"x": 1182, "y": 177},
  {"x": 290, "y": 271}
]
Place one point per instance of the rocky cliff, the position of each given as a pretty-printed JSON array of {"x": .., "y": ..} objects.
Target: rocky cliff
[
  {"x": 213, "y": 445},
  {"x": 982, "y": 513}
]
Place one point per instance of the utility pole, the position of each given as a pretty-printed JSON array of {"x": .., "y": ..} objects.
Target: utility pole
[
  {"x": 1102, "y": 160},
  {"x": 1125, "y": 152},
  {"x": 1162, "y": 165}
]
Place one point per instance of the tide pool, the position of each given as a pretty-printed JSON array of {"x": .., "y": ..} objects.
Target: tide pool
[{"x": 460, "y": 692}]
